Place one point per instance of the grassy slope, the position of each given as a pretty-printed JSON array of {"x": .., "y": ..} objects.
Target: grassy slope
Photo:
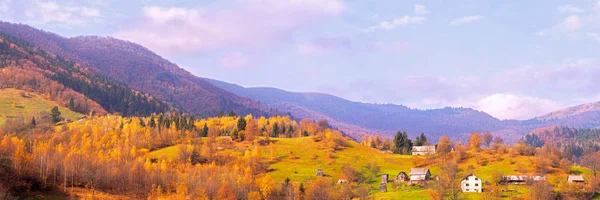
[
  {"x": 31, "y": 105},
  {"x": 312, "y": 155},
  {"x": 357, "y": 155}
]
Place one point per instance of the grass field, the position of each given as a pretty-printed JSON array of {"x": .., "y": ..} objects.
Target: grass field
[
  {"x": 30, "y": 105},
  {"x": 309, "y": 155}
]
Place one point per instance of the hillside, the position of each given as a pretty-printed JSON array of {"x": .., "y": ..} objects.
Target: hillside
[
  {"x": 274, "y": 168},
  {"x": 28, "y": 68},
  {"x": 140, "y": 69},
  {"x": 575, "y": 141},
  {"x": 15, "y": 102},
  {"x": 582, "y": 116}
]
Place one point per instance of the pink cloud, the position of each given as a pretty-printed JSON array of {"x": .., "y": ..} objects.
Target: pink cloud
[{"x": 255, "y": 24}]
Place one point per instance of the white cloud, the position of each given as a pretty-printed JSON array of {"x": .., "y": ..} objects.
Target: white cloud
[
  {"x": 569, "y": 9},
  {"x": 398, "y": 22},
  {"x": 569, "y": 24},
  {"x": 594, "y": 36},
  {"x": 510, "y": 106},
  {"x": 254, "y": 24},
  {"x": 55, "y": 13},
  {"x": 467, "y": 19},
  {"x": 421, "y": 10}
]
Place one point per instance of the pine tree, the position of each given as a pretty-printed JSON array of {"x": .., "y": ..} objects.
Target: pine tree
[
  {"x": 55, "y": 114},
  {"x": 152, "y": 123},
  {"x": 71, "y": 104},
  {"x": 241, "y": 124},
  {"x": 275, "y": 130},
  {"x": 33, "y": 123},
  {"x": 204, "y": 131}
]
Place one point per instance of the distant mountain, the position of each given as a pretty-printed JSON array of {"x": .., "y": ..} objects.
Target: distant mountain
[
  {"x": 140, "y": 69},
  {"x": 585, "y": 115},
  {"x": 374, "y": 118}
]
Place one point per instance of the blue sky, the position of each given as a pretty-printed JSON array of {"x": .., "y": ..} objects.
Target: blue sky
[{"x": 513, "y": 59}]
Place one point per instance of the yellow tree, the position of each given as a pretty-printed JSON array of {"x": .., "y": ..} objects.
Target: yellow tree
[{"x": 475, "y": 141}]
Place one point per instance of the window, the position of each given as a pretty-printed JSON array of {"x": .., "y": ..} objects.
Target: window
[
  {"x": 476, "y": 179},
  {"x": 476, "y": 184},
  {"x": 467, "y": 185},
  {"x": 467, "y": 190}
]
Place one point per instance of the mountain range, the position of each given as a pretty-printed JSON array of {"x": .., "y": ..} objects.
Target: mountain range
[{"x": 144, "y": 72}]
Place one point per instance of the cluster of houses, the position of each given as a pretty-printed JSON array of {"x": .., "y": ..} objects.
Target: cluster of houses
[{"x": 470, "y": 183}]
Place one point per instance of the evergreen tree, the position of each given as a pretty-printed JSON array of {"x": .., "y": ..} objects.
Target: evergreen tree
[
  {"x": 204, "y": 131},
  {"x": 241, "y": 124},
  {"x": 152, "y": 123},
  {"x": 55, "y": 114},
  {"x": 231, "y": 113},
  {"x": 275, "y": 132},
  {"x": 402, "y": 145},
  {"x": 71, "y": 104},
  {"x": 420, "y": 140},
  {"x": 33, "y": 123},
  {"x": 142, "y": 123},
  {"x": 291, "y": 129},
  {"x": 221, "y": 113}
]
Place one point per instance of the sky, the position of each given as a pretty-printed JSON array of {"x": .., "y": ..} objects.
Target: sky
[{"x": 513, "y": 59}]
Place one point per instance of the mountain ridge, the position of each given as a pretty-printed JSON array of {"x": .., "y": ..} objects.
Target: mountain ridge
[{"x": 139, "y": 68}]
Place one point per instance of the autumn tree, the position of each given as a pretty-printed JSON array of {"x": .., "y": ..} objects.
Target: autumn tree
[
  {"x": 319, "y": 189},
  {"x": 444, "y": 145},
  {"x": 252, "y": 130},
  {"x": 475, "y": 141},
  {"x": 323, "y": 124},
  {"x": 448, "y": 187},
  {"x": 542, "y": 190},
  {"x": 487, "y": 139}
]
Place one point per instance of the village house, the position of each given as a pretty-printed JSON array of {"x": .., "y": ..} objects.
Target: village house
[
  {"x": 401, "y": 177},
  {"x": 419, "y": 176},
  {"x": 319, "y": 172},
  {"x": 423, "y": 150},
  {"x": 575, "y": 179},
  {"x": 471, "y": 183},
  {"x": 520, "y": 180}
]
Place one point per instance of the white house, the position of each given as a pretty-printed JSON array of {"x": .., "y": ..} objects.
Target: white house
[{"x": 471, "y": 183}]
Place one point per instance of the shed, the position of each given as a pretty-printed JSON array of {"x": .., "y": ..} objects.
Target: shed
[{"x": 401, "y": 177}]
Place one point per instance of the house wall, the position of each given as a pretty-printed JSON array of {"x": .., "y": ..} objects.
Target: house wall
[{"x": 471, "y": 184}]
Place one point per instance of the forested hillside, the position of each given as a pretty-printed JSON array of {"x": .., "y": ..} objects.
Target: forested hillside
[
  {"x": 574, "y": 141},
  {"x": 29, "y": 68},
  {"x": 138, "y": 68}
]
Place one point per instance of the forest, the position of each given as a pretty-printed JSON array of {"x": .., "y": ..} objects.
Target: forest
[{"x": 26, "y": 67}]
